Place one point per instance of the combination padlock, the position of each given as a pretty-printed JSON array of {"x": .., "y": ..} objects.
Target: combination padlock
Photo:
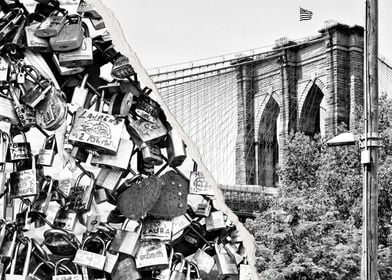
[{"x": 70, "y": 36}]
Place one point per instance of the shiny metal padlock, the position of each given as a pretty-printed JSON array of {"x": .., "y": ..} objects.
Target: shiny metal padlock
[
  {"x": 80, "y": 93},
  {"x": 90, "y": 259},
  {"x": 70, "y": 36},
  {"x": 151, "y": 154},
  {"x": 26, "y": 116},
  {"x": 47, "y": 152},
  {"x": 4, "y": 144},
  {"x": 22, "y": 220},
  {"x": 109, "y": 178},
  {"x": 66, "y": 71},
  {"x": 52, "y": 25},
  {"x": 245, "y": 272},
  {"x": 152, "y": 255},
  {"x": 79, "y": 57},
  {"x": 178, "y": 268},
  {"x": 156, "y": 229},
  {"x": 147, "y": 108},
  {"x": 80, "y": 197},
  {"x": 56, "y": 276},
  {"x": 120, "y": 160},
  {"x": 41, "y": 203},
  {"x": 126, "y": 242},
  {"x": 198, "y": 184},
  {"x": 18, "y": 150},
  {"x": 225, "y": 264},
  {"x": 111, "y": 259},
  {"x": 33, "y": 42},
  {"x": 7, "y": 112},
  {"x": 65, "y": 219},
  {"x": 11, "y": 275},
  {"x": 204, "y": 261},
  {"x": 100, "y": 195},
  {"x": 126, "y": 269},
  {"x": 215, "y": 221},
  {"x": 193, "y": 268},
  {"x": 66, "y": 181},
  {"x": 143, "y": 131},
  {"x": 176, "y": 152},
  {"x": 24, "y": 183},
  {"x": 144, "y": 167}
]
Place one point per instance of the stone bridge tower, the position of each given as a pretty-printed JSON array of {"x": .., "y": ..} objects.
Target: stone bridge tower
[{"x": 310, "y": 86}]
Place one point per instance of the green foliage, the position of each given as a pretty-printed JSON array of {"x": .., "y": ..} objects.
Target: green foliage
[{"x": 312, "y": 230}]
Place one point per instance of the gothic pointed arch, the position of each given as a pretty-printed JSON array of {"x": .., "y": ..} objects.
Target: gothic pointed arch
[
  {"x": 312, "y": 116},
  {"x": 268, "y": 144}
]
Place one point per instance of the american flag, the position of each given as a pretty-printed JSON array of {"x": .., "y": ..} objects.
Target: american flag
[{"x": 304, "y": 14}]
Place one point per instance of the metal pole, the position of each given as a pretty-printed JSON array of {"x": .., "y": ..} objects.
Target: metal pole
[{"x": 369, "y": 156}]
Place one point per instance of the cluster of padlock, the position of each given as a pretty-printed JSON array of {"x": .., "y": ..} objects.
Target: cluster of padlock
[{"x": 119, "y": 205}]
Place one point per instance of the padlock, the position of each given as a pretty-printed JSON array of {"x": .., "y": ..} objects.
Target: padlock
[
  {"x": 47, "y": 152},
  {"x": 22, "y": 220},
  {"x": 24, "y": 183},
  {"x": 100, "y": 195},
  {"x": 147, "y": 108},
  {"x": 233, "y": 253},
  {"x": 144, "y": 167},
  {"x": 191, "y": 239},
  {"x": 79, "y": 154},
  {"x": 70, "y": 36},
  {"x": 152, "y": 255},
  {"x": 79, "y": 57},
  {"x": 126, "y": 242},
  {"x": 151, "y": 154},
  {"x": 126, "y": 269},
  {"x": 34, "y": 274},
  {"x": 66, "y": 181},
  {"x": 121, "y": 68},
  {"x": 179, "y": 224},
  {"x": 52, "y": 25},
  {"x": 52, "y": 111},
  {"x": 193, "y": 268},
  {"x": 90, "y": 259},
  {"x": 35, "y": 95},
  {"x": 80, "y": 93},
  {"x": 215, "y": 221},
  {"x": 4, "y": 67},
  {"x": 11, "y": 275},
  {"x": 33, "y": 42},
  {"x": 142, "y": 131},
  {"x": 121, "y": 103},
  {"x": 156, "y": 229},
  {"x": 204, "y": 261},
  {"x": 176, "y": 151},
  {"x": 66, "y": 71},
  {"x": 199, "y": 185},
  {"x": 111, "y": 259},
  {"x": 4, "y": 144},
  {"x": 25, "y": 114},
  {"x": 7, "y": 112},
  {"x": 120, "y": 160},
  {"x": 56, "y": 276},
  {"x": 60, "y": 242},
  {"x": 80, "y": 197},
  {"x": 200, "y": 205},
  {"x": 245, "y": 272},
  {"x": 65, "y": 219},
  {"x": 225, "y": 264},
  {"x": 18, "y": 150},
  {"x": 178, "y": 268},
  {"x": 96, "y": 130},
  {"x": 41, "y": 203},
  {"x": 109, "y": 178},
  {"x": 164, "y": 274},
  {"x": 16, "y": 45}
]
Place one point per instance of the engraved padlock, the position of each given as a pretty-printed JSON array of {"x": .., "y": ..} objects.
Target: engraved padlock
[
  {"x": 81, "y": 196},
  {"x": 126, "y": 242},
  {"x": 120, "y": 160},
  {"x": 24, "y": 183},
  {"x": 26, "y": 267},
  {"x": 65, "y": 219},
  {"x": 178, "y": 268},
  {"x": 147, "y": 108},
  {"x": 18, "y": 150},
  {"x": 79, "y": 57},
  {"x": 176, "y": 151},
  {"x": 52, "y": 25},
  {"x": 152, "y": 255},
  {"x": 73, "y": 276},
  {"x": 91, "y": 259},
  {"x": 156, "y": 229},
  {"x": 151, "y": 154},
  {"x": 199, "y": 185},
  {"x": 47, "y": 152},
  {"x": 70, "y": 36},
  {"x": 100, "y": 195},
  {"x": 142, "y": 131},
  {"x": 126, "y": 269},
  {"x": 66, "y": 181}
]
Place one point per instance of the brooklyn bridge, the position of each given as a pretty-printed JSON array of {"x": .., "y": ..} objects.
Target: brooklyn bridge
[{"x": 240, "y": 108}]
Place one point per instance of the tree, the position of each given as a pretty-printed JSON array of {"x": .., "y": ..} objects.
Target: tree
[{"x": 312, "y": 230}]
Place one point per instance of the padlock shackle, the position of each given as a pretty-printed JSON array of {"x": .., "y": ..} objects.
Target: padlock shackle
[
  {"x": 26, "y": 265},
  {"x": 196, "y": 269},
  {"x": 40, "y": 265},
  {"x": 63, "y": 260},
  {"x": 61, "y": 233},
  {"x": 90, "y": 238}
]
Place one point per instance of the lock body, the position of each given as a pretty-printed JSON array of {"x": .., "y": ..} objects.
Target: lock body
[
  {"x": 79, "y": 57},
  {"x": 109, "y": 178},
  {"x": 120, "y": 160},
  {"x": 51, "y": 26},
  {"x": 33, "y": 42},
  {"x": 70, "y": 36},
  {"x": 47, "y": 152},
  {"x": 152, "y": 155}
]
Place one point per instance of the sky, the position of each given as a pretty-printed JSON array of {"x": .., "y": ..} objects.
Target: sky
[{"x": 176, "y": 31}]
